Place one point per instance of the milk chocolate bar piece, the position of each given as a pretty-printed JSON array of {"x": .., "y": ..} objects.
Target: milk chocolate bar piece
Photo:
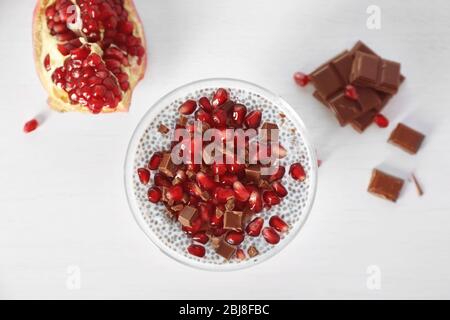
[
  {"x": 225, "y": 249},
  {"x": 232, "y": 220},
  {"x": 187, "y": 216},
  {"x": 252, "y": 251},
  {"x": 372, "y": 71},
  {"x": 385, "y": 186},
  {"x": 406, "y": 138},
  {"x": 362, "y": 122},
  {"x": 166, "y": 166}
]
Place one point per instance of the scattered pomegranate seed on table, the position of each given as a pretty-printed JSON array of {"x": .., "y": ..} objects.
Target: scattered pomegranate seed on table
[
  {"x": 30, "y": 126},
  {"x": 381, "y": 121},
  {"x": 301, "y": 79}
]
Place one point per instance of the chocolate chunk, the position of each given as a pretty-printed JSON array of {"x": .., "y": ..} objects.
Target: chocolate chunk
[
  {"x": 385, "y": 186},
  {"x": 372, "y": 71},
  {"x": 406, "y": 138},
  {"x": 219, "y": 212},
  {"x": 225, "y": 249},
  {"x": 232, "y": 220},
  {"x": 163, "y": 129},
  {"x": 229, "y": 206},
  {"x": 252, "y": 251},
  {"x": 362, "y": 122},
  {"x": 267, "y": 131},
  {"x": 187, "y": 216},
  {"x": 177, "y": 207},
  {"x": 418, "y": 186},
  {"x": 253, "y": 172},
  {"x": 166, "y": 166}
]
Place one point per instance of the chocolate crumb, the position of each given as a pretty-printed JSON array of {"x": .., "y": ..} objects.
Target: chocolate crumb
[
  {"x": 418, "y": 186},
  {"x": 163, "y": 129}
]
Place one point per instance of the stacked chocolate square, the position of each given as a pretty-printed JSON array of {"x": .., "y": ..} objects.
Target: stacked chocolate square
[{"x": 356, "y": 85}]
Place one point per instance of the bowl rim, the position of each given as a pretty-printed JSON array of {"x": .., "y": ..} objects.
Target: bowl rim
[{"x": 141, "y": 128}]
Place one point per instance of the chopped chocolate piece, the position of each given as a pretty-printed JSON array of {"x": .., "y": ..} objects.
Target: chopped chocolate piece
[
  {"x": 282, "y": 115},
  {"x": 165, "y": 199},
  {"x": 177, "y": 207},
  {"x": 418, "y": 186},
  {"x": 264, "y": 184},
  {"x": 252, "y": 251},
  {"x": 362, "y": 47},
  {"x": 166, "y": 166},
  {"x": 372, "y": 71},
  {"x": 406, "y": 138},
  {"x": 186, "y": 198},
  {"x": 344, "y": 109},
  {"x": 187, "y": 216},
  {"x": 215, "y": 240},
  {"x": 253, "y": 172},
  {"x": 229, "y": 206},
  {"x": 267, "y": 130},
  {"x": 232, "y": 220},
  {"x": 385, "y": 186},
  {"x": 191, "y": 174},
  {"x": 163, "y": 129},
  {"x": 225, "y": 249}
]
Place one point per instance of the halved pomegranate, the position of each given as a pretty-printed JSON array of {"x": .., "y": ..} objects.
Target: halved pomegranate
[{"x": 89, "y": 54}]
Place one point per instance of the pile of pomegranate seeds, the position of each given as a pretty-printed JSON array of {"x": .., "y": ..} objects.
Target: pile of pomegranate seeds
[
  {"x": 96, "y": 80},
  {"x": 220, "y": 203}
]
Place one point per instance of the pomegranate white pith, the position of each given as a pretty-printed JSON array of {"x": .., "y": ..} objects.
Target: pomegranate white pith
[{"x": 67, "y": 53}]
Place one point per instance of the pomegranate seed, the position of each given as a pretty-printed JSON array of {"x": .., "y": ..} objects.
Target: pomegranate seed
[
  {"x": 196, "y": 250},
  {"x": 255, "y": 202},
  {"x": 240, "y": 191},
  {"x": 253, "y": 119},
  {"x": 271, "y": 198},
  {"x": 319, "y": 163},
  {"x": 228, "y": 179},
  {"x": 155, "y": 160},
  {"x": 203, "y": 116},
  {"x": 175, "y": 193},
  {"x": 240, "y": 254},
  {"x": 278, "y": 174},
  {"x": 235, "y": 168},
  {"x": 234, "y": 238},
  {"x": 219, "y": 168},
  {"x": 206, "y": 182},
  {"x": 162, "y": 181},
  {"x": 220, "y": 118},
  {"x": 188, "y": 107},
  {"x": 278, "y": 224},
  {"x": 220, "y": 97},
  {"x": 381, "y": 121},
  {"x": 200, "y": 237},
  {"x": 47, "y": 63},
  {"x": 238, "y": 113},
  {"x": 350, "y": 92},
  {"x": 216, "y": 221},
  {"x": 279, "y": 189},
  {"x": 30, "y": 126},
  {"x": 297, "y": 172},
  {"x": 222, "y": 195},
  {"x": 301, "y": 79},
  {"x": 270, "y": 235},
  {"x": 253, "y": 229},
  {"x": 205, "y": 104},
  {"x": 154, "y": 194},
  {"x": 144, "y": 175}
]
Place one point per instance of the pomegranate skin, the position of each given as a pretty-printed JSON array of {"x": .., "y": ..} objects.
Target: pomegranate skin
[{"x": 44, "y": 41}]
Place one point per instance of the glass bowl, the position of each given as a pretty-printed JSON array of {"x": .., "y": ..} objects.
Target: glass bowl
[{"x": 166, "y": 234}]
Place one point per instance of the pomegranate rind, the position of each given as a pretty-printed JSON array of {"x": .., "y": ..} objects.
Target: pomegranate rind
[{"x": 58, "y": 99}]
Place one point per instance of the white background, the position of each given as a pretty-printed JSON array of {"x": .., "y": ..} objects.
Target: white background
[{"x": 62, "y": 199}]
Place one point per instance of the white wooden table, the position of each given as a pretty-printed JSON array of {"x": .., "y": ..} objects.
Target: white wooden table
[{"x": 63, "y": 211}]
